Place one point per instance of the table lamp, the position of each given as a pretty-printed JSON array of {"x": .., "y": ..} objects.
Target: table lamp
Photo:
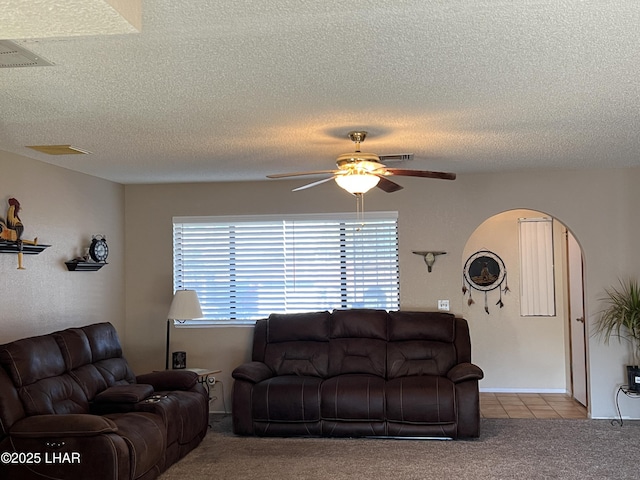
[{"x": 184, "y": 306}]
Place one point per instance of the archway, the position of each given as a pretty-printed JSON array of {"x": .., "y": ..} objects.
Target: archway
[{"x": 527, "y": 354}]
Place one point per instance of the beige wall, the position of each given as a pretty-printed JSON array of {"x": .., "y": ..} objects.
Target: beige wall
[
  {"x": 596, "y": 205},
  {"x": 63, "y": 209}
]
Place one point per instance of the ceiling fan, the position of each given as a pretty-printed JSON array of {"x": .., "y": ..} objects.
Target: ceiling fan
[{"x": 359, "y": 172}]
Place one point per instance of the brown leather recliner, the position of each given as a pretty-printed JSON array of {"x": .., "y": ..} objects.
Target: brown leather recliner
[
  {"x": 359, "y": 373},
  {"x": 71, "y": 408}
]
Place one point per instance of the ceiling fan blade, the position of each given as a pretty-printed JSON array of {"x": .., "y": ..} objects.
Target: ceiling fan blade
[
  {"x": 309, "y": 185},
  {"x": 421, "y": 173},
  {"x": 299, "y": 174},
  {"x": 387, "y": 185}
]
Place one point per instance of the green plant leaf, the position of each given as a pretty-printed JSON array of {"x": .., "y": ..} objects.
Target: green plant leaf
[{"x": 621, "y": 316}]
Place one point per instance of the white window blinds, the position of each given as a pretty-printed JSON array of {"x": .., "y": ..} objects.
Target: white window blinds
[
  {"x": 537, "y": 285},
  {"x": 244, "y": 268}
]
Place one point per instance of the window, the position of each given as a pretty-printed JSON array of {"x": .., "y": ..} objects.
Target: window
[
  {"x": 537, "y": 286},
  {"x": 245, "y": 268}
]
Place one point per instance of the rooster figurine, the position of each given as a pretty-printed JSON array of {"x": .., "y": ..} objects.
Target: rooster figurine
[{"x": 11, "y": 230}]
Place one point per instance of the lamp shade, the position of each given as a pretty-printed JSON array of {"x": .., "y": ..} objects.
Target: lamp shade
[
  {"x": 185, "y": 306},
  {"x": 357, "y": 182}
]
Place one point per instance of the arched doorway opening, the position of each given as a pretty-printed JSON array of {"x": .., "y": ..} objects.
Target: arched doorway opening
[{"x": 522, "y": 353}]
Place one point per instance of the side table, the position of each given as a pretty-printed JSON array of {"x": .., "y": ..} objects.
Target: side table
[
  {"x": 629, "y": 393},
  {"x": 205, "y": 377}
]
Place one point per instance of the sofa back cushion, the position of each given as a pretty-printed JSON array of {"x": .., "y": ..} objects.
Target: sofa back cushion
[
  {"x": 359, "y": 323},
  {"x": 294, "y": 327},
  {"x": 76, "y": 351},
  {"x": 106, "y": 354},
  {"x": 74, "y": 346},
  {"x": 358, "y": 342},
  {"x": 421, "y": 343},
  {"x": 298, "y": 344},
  {"x": 38, "y": 371},
  {"x": 54, "y": 395}
]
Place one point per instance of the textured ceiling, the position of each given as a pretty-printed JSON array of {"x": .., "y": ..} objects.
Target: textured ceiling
[{"x": 237, "y": 89}]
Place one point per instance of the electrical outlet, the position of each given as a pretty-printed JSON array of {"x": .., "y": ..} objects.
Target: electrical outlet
[{"x": 443, "y": 305}]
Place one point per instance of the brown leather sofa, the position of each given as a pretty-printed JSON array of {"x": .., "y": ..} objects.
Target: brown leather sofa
[
  {"x": 356, "y": 373},
  {"x": 71, "y": 408}
]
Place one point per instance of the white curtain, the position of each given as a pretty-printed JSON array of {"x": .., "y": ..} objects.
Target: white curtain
[{"x": 537, "y": 286}]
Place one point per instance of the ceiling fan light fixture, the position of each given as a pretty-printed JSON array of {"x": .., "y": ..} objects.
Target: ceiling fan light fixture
[
  {"x": 364, "y": 161},
  {"x": 357, "y": 183},
  {"x": 359, "y": 172}
]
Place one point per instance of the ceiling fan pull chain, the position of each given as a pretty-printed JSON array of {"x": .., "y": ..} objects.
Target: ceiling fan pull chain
[{"x": 359, "y": 210}]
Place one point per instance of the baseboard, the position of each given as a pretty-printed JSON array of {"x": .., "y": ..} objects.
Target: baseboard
[{"x": 523, "y": 390}]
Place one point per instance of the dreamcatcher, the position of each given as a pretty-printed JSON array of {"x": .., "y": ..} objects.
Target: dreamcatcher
[{"x": 484, "y": 271}]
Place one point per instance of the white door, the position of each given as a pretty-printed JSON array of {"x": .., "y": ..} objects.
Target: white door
[{"x": 576, "y": 321}]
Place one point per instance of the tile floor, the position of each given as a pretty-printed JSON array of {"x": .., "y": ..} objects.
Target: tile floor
[{"x": 530, "y": 405}]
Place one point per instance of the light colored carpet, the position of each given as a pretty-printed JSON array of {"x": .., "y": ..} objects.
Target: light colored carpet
[{"x": 507, "y": 449}]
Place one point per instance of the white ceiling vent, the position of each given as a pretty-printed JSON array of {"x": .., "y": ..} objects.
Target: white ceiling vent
[
  {"x": 396, "y": 158},
  {"x": 12, "y": 56}
]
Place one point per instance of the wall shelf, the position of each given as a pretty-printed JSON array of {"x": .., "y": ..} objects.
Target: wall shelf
[
  {"x": 84, "y": 266},
  {"x": 11, "y": 247}
]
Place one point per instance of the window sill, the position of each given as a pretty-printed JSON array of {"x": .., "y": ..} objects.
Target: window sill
[{"x": 213, "y": 323}]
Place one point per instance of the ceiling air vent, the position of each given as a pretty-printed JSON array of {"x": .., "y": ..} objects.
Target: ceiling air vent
[
  {"x": 13, "y": 56},
  {"x": 59, "y": 149},
  {"x": 396, "y": 158}
]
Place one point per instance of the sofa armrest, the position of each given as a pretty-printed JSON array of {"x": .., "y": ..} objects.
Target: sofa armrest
[
  {"x": 253, "y": 372},
  {"x": 131, "y": 393},
  {"x": 169, "y": 380},
  {"x": 67, "y": 425},
  {"x": 465, "y": 371}
]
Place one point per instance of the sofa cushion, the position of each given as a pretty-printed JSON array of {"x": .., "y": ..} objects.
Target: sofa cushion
[
  {"x": 419, "y": 358},
  {"x": 51, "y": 395},
  {"x": 115, "y": 371},
  {"x": 292, "y": 327},
  {"x": 103, "y": 340},
  {"x": 298, "y": 358},
  {"x": 435, "y": 326},
  {"x": 287, "y": 398},
  {"x": 357, "y": 355},
  {"x": 37, "y": 368},
  {"x": 298, "y": 344},
  {"x": 353, "y": 397},
  {"x": 31, "y": 359},
  {"x": 421, "y": 343},
  {"x": 359, "y": 323},
  {"x": 424, "y": 399},
  {"x": 75, "y": 347},
  {"x": 90, "y": 380}
]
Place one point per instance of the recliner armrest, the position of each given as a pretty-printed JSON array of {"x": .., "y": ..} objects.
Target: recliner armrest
[
  {"x": 253, "y": 372},
  {"x": 465, "y": 371},
  {"x": 169, "y": 380},
  {"x": 62, "y": 425},
  {"x": 130, "y": 393}
]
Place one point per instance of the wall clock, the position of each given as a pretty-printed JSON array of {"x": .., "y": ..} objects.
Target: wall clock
[
  {"x": 99, "y": 250},
  {"x": 484, "y": 271}
]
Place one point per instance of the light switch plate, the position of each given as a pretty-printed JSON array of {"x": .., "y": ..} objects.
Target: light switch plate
[{"x": 443, "y": 305}]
